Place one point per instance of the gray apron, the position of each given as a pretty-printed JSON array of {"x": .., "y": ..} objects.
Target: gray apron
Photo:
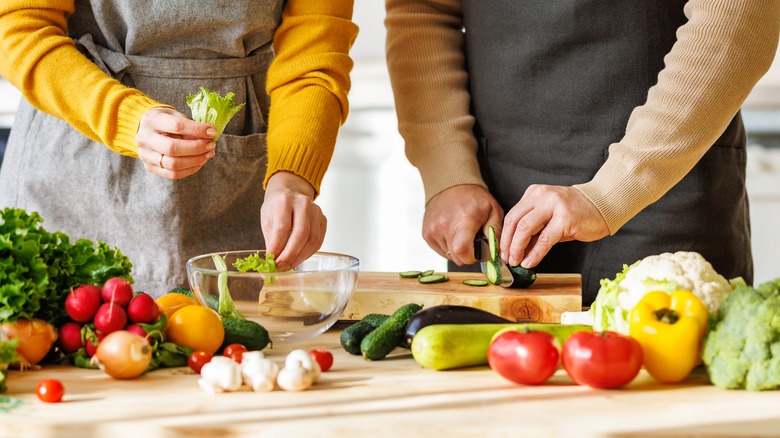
[
  {"x": 553, "y": 85},
  {"x": 167, "y": 50}
]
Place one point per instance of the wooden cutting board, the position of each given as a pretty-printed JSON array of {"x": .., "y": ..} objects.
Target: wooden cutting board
[{"x": 544, "y": 301}]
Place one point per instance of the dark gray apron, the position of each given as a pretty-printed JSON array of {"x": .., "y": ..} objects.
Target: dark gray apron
[
  {"x": 553, "y": 85},
  {"x": 167, "y": 50}
]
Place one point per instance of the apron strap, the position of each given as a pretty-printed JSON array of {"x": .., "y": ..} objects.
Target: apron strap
[{"x": 117, "y": 63}]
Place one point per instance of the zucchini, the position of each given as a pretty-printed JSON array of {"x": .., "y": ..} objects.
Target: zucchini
[
  {"x": 449, "y": 314},
  {"x": 352, "y": 336},
  {"x": 410, "y": 274},
  {"x": 475, "y": 282},
  {"x": 248, "y": 333},
  {"x": 450, "y": 346},
  {"x": 382, "y": 340},
  {"x": 433, "y": 278}
]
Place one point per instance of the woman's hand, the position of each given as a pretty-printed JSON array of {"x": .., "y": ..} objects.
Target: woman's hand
[
  {"x": 544, "y": 216},
  {"x": 454, "y": 216},
  {"x": 173, "y": 146},
  {"x": 293, "y": 225}
]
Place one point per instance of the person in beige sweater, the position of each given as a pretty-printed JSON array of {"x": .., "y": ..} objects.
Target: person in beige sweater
[{"x": 607, "y": 131}]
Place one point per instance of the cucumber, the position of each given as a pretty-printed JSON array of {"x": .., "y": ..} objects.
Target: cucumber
[
  {"x": 522, "y": 277},
  {"x": 433, "y": 278},
  {"x": 380, "y": 342},
  {"x": 492, "y": 272},
  {"x": 426, "y": 273},
  {"x": 410, "y": 274},
  {"x": 475, "y": 282},
  {"x": 493, "y": 246},
  {"x": 450, "y": 346},
  {"x": 211, "y": 301},
  {"x": 248, "y": 333},
  {"x": 352, "y": 336}
]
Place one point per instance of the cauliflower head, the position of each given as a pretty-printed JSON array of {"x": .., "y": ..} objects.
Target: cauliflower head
[
  {"x": 666, "y": 272},
  {"x": 742, "y": 351}
]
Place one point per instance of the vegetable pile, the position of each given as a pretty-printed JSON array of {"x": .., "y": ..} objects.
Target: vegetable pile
[
  {"x": 210, "y": 107},
  {"x": 38, "y": 268},
  {"x": 742, "y": 351}
]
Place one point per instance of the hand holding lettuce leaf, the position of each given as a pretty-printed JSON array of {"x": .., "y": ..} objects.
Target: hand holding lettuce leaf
[{"x": 209, "y": 107}]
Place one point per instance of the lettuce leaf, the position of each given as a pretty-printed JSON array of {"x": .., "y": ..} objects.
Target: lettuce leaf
[
  {"x": 38, "y": 268},
  {"x": 209, "y": 107},
  {"x": 256, "y": 263},
  {"x": 7, "y": 357}
]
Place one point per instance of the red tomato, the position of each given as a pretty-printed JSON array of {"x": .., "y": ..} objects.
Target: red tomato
[
  {"x": 50, "y": 390},
  {"x": 197, "y": 359},
  {"x": 323, "y": 357},
  {"x": 602, "y": 359},
  {"x": 236, "y": 355},
  {"x": 527, "y": 358},
  {"x": 228, "y": 351}
]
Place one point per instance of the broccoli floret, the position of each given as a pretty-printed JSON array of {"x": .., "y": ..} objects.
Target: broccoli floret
[{"x": 743, "y": 349}]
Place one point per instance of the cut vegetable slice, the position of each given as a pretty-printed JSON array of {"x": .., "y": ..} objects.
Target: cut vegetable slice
[
  {"x": 493, "y": 272},
  {"x": 426, "y": 273},
  {"x": 433, "y": 278},
  {"x": 492, "y": 243},
  {"x": 475, "y": 282},
  {"x": 410, "y": 274}
]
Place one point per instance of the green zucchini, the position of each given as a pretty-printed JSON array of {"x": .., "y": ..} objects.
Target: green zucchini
[
  {"x": 248, "y": 333},
  {"x": 450, "y": 346},
  {"x": 382, "y": 340}
]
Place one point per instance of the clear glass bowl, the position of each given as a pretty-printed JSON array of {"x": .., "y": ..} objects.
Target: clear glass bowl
[{"x": 293, "y": 305}]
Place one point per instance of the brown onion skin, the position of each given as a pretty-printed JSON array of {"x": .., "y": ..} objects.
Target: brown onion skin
[{"x": 124, "y": 355}]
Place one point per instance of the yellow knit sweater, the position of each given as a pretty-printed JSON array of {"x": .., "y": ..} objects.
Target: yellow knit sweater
[
  {"x": 308, "y": 81},
  {"x": 720, "y": 54}
]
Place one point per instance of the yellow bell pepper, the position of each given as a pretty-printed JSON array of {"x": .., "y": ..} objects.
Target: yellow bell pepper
[{"x": 670, "y": 328}]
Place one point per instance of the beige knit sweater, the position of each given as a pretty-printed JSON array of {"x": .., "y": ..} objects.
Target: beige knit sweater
[{"x": 720, "y": 54}]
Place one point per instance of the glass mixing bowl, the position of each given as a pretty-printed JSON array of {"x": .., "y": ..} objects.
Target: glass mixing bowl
[{"x": 293, "y": 305}]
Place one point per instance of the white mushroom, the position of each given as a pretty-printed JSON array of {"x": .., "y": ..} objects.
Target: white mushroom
[
  {"x": 294, "y": 376},
  {"x": 258, "y": 372},
  {"x": 306, "y": 361},
  {"x": 220, "y": 374}
]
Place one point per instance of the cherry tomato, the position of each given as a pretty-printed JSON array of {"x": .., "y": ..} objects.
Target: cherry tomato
[
  {"x": 323, "y": 357},
  {"x": 527, "y": 358},
  {"x": 50, "y": 390},
  {"x": 235, "y": 355},
  {"x": 601, "y": 359},
  {"x": 197, "y": 359},
  {"x": 228, "y": 351}
]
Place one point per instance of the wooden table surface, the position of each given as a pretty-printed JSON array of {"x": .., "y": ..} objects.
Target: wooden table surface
[{"x": 393, "y": 397}]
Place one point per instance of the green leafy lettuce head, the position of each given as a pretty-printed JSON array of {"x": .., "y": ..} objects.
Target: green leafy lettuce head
[{"x": 209, "y": 107}]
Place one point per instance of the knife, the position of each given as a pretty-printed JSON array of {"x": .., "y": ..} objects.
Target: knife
[{"x": 500, "y": 271}]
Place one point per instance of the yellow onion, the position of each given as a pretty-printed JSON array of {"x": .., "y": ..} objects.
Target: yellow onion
[
  {"x": 123, "y": 355},
  {"x": 35, "y": 338}
]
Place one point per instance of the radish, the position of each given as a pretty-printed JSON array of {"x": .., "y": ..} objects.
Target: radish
[
  {"x": 137, "y": 329},
  {"x": 110, "y": 317},
  {"x": 92, "y": 348},
  {"x": 143, "y": 309},
  {"x": 82, "y": 302},
  {"x": 118, "y": 291},
  {"x": 70, "y": 337}
]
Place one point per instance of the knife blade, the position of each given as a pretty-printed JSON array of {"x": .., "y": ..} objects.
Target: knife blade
[{"x": 482, "y": 254}]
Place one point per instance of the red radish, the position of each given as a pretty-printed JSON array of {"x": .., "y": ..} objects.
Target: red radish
[
  {"x": 70, "y": 337},
  {"x": 82, "y": 302},
  {"x": 143, "y": 309},
  {"x": 137, "y": 329},
  {"x": 110, "y": 318},
  {"x": 118, "y": 291},
  {"x": 92, "y": 348}
]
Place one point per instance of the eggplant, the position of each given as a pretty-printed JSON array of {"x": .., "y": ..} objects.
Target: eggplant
[{"x": 449, "y": 314}]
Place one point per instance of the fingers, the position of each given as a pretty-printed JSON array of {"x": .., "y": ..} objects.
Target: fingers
[{"x": 171, "y": 145}]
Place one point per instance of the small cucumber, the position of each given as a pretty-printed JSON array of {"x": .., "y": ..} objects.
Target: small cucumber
[
  {"x": 410, "y": 274},
  {"x": 352, "y": 336},
  {"x": 492, "y": 239},
  {"x": 248, "y": 333},
  {"x": 450, "y": 346},
  {"x": 433, "y": 278},
  {"x": 426, "y": 273},
  {"x": 380, "y": 342},
  {"x": 492, "y": 272},
  {"x": 375, "y": 319}
]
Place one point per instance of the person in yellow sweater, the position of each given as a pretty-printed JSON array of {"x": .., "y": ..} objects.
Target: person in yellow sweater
[
  {"x": 103, "y": 146},
  {"x": 607, "y": 131}
]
